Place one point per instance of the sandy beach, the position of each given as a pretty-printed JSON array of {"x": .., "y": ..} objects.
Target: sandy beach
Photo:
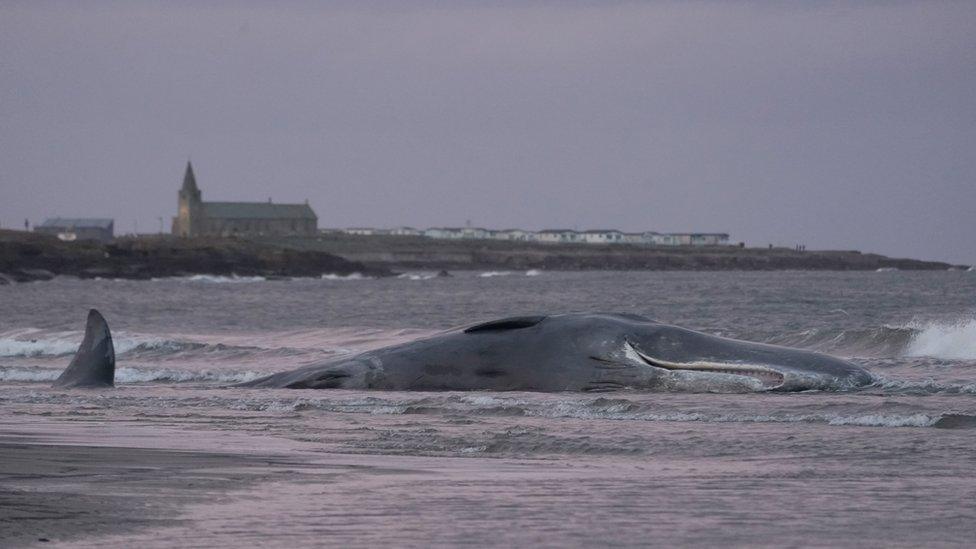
[{"x": 114, "y": 480}]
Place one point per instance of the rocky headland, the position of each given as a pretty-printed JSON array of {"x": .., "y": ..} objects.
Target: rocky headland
[
  {"x": 419, "y": 253},
  {"x": 29, "y": 256}
]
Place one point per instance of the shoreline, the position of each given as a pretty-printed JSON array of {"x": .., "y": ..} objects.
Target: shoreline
[
  {"x": 26, "y": 257},
  {"x": 420, "y": 253}
]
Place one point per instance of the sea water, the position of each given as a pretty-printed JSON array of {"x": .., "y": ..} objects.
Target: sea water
[{"x": 870, "y": 466}]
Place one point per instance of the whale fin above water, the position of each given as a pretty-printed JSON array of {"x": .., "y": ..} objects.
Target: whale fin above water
[{"x": 94, "y": 363}]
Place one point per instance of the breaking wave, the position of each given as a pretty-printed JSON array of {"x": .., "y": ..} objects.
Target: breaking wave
[
  {"x": 473, "y": 406},
  {"x": 225, "y": 279},
  {"x": 24, "y": 344},
  {"x": 351, "y": 276},
  {"x": 922, "y": 387},
  {"x": 31, "y": 348},
  {"x": 218, "y": 279},
  {"x": 415, "y": 276},
  {"x": 947, "y": 340},
  {"x": 880, "y": 341},
  {"x": 618, "y": 409},
  {"x": 133, "y": 375},
  {"x": 34, "y": 343},
  {"x": 490, "y": 274},
  {"x": 137, "y": 375}
]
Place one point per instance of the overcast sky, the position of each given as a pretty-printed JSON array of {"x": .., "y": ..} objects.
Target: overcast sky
[{"x": 835, "y": 125}]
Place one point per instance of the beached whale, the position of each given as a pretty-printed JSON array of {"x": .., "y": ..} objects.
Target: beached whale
[
  {"x": 567, "y": 352},
  {"x": 577, "y": 352},
  {"x": 94, "y": 363}
]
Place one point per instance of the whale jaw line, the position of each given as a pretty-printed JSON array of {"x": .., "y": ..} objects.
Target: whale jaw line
[{"x": 769, "y": 378}]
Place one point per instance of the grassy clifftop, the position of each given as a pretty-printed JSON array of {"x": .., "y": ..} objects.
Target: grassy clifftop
[
  {"x": 29, "y": 256},
  {"x": 400, "y": 252}
]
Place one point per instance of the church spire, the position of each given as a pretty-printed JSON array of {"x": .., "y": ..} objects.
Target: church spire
[{"x": 190, "y": 180}]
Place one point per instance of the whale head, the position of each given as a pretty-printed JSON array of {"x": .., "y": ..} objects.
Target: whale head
[{"x": 675, "y": 358}]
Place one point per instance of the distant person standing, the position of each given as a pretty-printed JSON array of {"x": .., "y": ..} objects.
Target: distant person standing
[{"x": 26, "y": 225}]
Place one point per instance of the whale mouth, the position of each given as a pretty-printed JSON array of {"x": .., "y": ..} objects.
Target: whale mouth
[{"x": 768, "y": 377}]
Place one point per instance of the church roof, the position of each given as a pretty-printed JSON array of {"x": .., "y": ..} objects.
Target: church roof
[
  {"x": 257, "y": 210},
  {"x": 189, "y": 180}
]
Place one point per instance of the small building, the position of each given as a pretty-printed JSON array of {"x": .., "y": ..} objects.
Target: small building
[
  {"x": 598, "y": 236},
  {"x": 678, "y": 239},
  {"x": 198, "y": 218},
  {"x": 692, "y": 239},
  {"x": 660, "y": 239},
  {"x": 634, "y": 238},
  {"x": 709, "y": 239},
  {"x": 518, "y": 235},
  {"x": 603, "y": 236},
  {"x": 446, "y": 233},
  {"x": 74, "y": 228},
  {"x": 360, "y": 231},
  {"x": 458, "y": 233},
  {"x": 476, "y": 233},
  {"x": 406, "y": 231},
  {"x": 649, "y": 238},
  {"x": 558, "y": 235}
]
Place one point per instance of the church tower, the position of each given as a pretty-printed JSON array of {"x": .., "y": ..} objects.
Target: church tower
[{"x": 187, "y": 223}]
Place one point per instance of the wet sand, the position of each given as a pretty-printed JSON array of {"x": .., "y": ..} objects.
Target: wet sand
[
  {"x": 165, "y": 482},
  {"x": 57, "y": 492},
  {"x": 54, "y": 489}
]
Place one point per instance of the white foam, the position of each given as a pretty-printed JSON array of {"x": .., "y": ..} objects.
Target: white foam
[
  {"x": 225, "y": 279},
  {"x": 351, "y": 276},
  {"x": 883, "y": 420},
  {"x": 139, "y": 375},
  {"x": 619, "y": 412},
  {"x": 133, "y": 375},
  {"x": 886, "y": 270},
  {"x": 411, "y": 276},
  {"x": 946, "y": 340},
  {"x": 28, "y": 374},
  {"x": 925, "y": 386},
  {"x": 490, "y": 274},
  {"x": 487, "y": 400},
  {"x": 533, "y": 272},
  {"x": 30, "y": 343},
  {"x": 38, "y": 347}
]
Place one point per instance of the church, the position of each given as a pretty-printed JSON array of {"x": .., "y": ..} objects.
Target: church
[{"x": 198, "y": 218}]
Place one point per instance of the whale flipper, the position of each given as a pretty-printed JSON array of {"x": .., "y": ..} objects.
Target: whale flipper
[{"x": 94, "y": 363}]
